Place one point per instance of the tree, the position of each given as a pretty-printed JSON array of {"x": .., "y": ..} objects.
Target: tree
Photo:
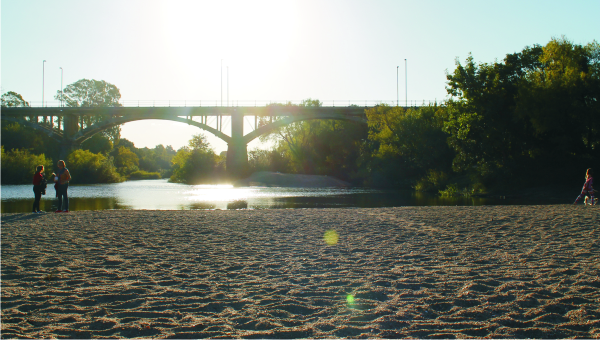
[
  {"x": 89, "y": 167},
  {"x": 98, "y": 143},
  {"x": 157, "y": 159},
  {"x": 268, "y": 160},
  {"x": 560, "y": 99},
  {"x": 126, "y": 161},
  {"x": 18, "y": 166},
  {"x": 537, "y": 108},
  {"x": 324, "y": 147},
  {"x": 13, "y": 99},
  {"x": 194, "y": 164},
  {"x": 92, "y": 93},
  {"x": 294, "y": 139},
  {"x": 200, "y": 142},
  {"x": 484, "y": 132},
  {"x": 407, "y": 144}
]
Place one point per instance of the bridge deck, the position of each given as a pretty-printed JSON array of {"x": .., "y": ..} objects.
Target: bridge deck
[{"x": 184, "y": 111}]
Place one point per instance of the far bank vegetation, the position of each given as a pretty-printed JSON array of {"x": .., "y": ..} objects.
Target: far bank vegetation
[{"x": 532, "y": 117}]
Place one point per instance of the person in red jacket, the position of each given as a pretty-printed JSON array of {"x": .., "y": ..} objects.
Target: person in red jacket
[
  {"x": 38, "y": 189},
  {"x": 588, "y": 189}
]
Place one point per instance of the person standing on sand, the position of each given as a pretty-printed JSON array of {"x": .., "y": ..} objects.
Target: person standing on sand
[
  {"x": 587, "y": 187},
  {"x": 62, "y": 179},
  {"x": 39, "y": 188}
]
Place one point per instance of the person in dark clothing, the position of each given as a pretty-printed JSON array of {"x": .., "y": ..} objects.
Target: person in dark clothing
[
  {"x": 38, "y": 187},
  {"x": 62, "y": 179}
]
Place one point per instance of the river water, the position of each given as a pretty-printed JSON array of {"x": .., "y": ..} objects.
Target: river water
[{"x": 162, "y": 195}]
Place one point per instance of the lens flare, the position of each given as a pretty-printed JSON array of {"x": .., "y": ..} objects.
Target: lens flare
[
  {"x": 331, "y": 237},
  {"x": 350, "y": 299}
]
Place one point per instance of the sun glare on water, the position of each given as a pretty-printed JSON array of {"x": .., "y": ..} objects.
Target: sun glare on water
[{"x": 218, "y": 193}]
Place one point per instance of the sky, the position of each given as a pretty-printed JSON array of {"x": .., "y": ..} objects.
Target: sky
[{"x": 338, "y": 51}]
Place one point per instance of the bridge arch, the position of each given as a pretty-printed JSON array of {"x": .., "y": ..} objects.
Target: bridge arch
[
  {"x": 293, "y": 119},
  {"x": 88, "y": 132}
]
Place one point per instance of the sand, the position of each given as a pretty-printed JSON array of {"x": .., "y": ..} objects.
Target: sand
[{"x": 420, "y": 272}]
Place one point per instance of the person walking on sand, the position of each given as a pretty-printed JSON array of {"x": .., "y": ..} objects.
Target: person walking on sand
[
  {"x": 587, "y": 187},
  {"x": 39, "y": 187},
  {"x": 62, "y": 179}
]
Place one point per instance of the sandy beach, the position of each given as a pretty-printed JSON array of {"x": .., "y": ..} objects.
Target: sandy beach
[{"x": 419, "y": 272}]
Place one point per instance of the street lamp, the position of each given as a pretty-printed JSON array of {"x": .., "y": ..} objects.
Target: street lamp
[
  {"x": 221, "y": 82},
  {"x": 43, "y": 76},
  {"x": 397, "y": 93},
  {"x": 61, "y": 86},
  {"x": 406, "y": 81},
  {"x": 228, "y": 85}
]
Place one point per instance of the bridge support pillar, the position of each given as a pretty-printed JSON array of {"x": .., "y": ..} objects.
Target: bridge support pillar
[
  {"x": 70, "y": 129},
  {"x": 237, "y": 150},
  {"x": 66, "y": 147}
]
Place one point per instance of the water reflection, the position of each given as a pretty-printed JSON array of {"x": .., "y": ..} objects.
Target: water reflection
[
  {"x": 162, "y": 195},
  {"x": 50, "y": 205}
]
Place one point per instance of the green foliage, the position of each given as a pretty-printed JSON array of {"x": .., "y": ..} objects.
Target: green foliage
[
  {"x": 322, "y": 147},
  {"x": 92, "y": 93},
  {"x": 453, "y": 190},
  {"x": 141, "y": 174},
  {"x": 13, "y": 99},
  {"x": 433, "y": 181},
  {"x": 406, "y": 144},
  {"x": 156, "y": 160},
  {"x": 560, "y": 99},
  {"x": 17, "y": 136},
  {"x": 268, "y": 160},
  {"x": 98, "y": 143},
  {"x": 88, "y": 167},
  {"x": 538, "y": 107},
  {"x": 483, "y": 132},
  {"x": 200, "y": 142},
  {"x": 19, "y": 166},
  {"x": 195, "y": 164},
  {"x": 125, "y": 160}
]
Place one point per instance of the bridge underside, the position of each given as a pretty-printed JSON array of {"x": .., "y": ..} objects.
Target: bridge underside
[{"x": 71, "y": 136}]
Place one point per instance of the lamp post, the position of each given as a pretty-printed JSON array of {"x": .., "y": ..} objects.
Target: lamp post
[
  {"x": 406, "y": 81},
  {"x": 221, "y": 82},
  {"x": 61, "y": 87},
  {"x": 43, "y": 76},
  {"x": 227, "y": 85},
  {"x": 397, "y": 91}
]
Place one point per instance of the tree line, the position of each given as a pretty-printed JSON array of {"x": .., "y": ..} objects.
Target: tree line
[{"x": 532, "y": 118}]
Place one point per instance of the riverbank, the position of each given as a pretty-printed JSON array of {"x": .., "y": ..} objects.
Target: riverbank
[
  {"x": 497, "y": 271},
  {"x": 278, "y": 179}
]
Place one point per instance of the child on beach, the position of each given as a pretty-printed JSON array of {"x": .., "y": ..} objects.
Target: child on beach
[{"x": 587, "y": 187}]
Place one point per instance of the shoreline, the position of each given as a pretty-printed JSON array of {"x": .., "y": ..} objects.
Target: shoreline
[{"x": 452, "y": 272}]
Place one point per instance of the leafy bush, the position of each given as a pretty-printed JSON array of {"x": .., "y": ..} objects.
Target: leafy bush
[
  {"x": 18, "y": 166},
  {"x": 434, "y": 180},
  {"x": 141, "y": 174},
  {"x": 452, "y": 190},
  {"x": 196, "y": 163},
  {"x": 193, "y": 166},
  {"x": 89, "y": 167}
]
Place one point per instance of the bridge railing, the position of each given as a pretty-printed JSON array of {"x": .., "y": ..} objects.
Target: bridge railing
[{"x": 236, "y": 103}]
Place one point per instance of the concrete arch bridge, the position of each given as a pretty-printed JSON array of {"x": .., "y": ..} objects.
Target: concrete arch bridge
[{"x": 70, "y": 132}]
